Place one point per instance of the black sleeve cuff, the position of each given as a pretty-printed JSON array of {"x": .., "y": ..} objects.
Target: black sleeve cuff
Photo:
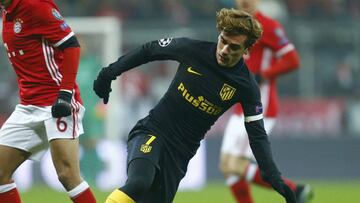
[{"x": 71, "y": 42}]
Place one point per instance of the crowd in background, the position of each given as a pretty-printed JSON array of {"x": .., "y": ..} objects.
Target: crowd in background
[
  {"x": 324, "y": 9},
  {"x": 184, "y": 10},
  {"x": 329, "y": 56}
]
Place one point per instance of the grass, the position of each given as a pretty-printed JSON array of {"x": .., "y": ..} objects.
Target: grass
[{"x": 325, "y": 192}]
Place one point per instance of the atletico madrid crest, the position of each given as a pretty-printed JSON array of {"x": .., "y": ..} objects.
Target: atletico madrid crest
[
  {"x": 227, "y": 92},
  {"x": 145, "y": 148}
]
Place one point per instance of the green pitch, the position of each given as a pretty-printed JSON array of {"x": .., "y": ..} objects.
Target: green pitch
[{"x": 325, "y": 192}]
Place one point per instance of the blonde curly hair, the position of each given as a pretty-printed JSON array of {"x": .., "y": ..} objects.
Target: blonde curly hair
[{"x": 239, "y": 22}]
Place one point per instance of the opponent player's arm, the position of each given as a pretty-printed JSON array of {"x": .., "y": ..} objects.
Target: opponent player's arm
[
  {"x": 165, "y": 49},
  {"x": 288, "y": 62},
  {"x": 287, "y": 58}
]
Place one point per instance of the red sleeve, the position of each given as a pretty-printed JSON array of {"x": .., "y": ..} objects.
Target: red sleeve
[
  {"x": 286, "y": 63},
  {"x": 274, "y": 35},
  {"x": 70, "y": 67},
  {"x": 49, "y": 23},
  {"x": 287, "y": 58}
]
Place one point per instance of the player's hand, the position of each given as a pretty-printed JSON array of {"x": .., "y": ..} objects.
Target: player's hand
[
  {"x": 286, "y": 192},
  {"x": 279, "y": 185},
  {"x": 62, "y": 106},
  {"x": 102, "y": 85}
]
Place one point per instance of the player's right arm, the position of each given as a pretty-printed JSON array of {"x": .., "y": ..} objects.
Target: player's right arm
[
  {"x": 163, "y": 49},
  {"x": 56, "y": 33}
]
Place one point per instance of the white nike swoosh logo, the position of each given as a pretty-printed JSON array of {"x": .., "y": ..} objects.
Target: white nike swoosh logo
[{"x": 190, "y": 70}]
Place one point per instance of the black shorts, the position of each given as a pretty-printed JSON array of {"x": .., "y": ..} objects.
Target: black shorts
[{"x": 171, "y": 167}]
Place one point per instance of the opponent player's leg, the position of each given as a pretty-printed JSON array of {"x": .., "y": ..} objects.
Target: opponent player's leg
[
  {"x": 16, "y": 140},
  {"x": 10, "y": 160},
  {"x": 231, "y": 163},
  {"x": 141, "y": 175},
  {"x": 252, "y": 172},
  {"x": 238, "y": 163},
  {"x": 65, "y": 155},
  {"x": 143, "y": 160}
]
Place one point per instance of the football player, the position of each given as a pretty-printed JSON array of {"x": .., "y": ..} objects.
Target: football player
[
  {"x": 211, "y": 78},
  {"x": 44, "y": 53}
]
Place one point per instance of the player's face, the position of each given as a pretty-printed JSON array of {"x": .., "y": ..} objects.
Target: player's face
[
  {"x": 230, "y": 49},
  {"x": 5, "y": 3},
  {"x": 249, "y": 6}
]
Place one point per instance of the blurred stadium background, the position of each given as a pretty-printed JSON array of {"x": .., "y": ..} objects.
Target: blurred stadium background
[{"x": 317, "y": 137}]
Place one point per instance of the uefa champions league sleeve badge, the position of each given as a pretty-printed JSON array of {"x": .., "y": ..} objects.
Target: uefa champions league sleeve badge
[
  {"x": 164, "y": 42},
  {"x": 56, "y": 14}
]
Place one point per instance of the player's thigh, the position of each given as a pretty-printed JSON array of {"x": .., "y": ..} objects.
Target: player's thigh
[
  {"x": 69, "y": 127},
  {"x": 63, "y": 134},
  {"x": 235, "y": 137},
  {"x": 159, "y": 192},
  {"x": 18, "y": 139},
  {"x": 244, "y": 152},
  {"x": 234, "y": 164},
  {"x": 269, "y": 124},
  {"x": 167, "y": 180},
  {"x": 10, "y": 159},
  {"x": 145, "y": 145},
  {"x": 174, "y": 171}
]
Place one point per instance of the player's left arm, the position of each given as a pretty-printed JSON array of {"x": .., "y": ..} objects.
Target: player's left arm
[
  {"x": 56, "y": 34},
  {"x": 71, "y": 50},
  {"x": 288, "y": 62},
  {"x": 287, "y": 58},
  {"x": 260, "y": 144},
  {"x": 261, "y": 149}
]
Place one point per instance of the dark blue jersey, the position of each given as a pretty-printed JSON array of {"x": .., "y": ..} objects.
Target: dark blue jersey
[{"x": 199, "y": 94}]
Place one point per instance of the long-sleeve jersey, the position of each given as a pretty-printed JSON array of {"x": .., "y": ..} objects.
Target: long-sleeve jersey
[
  {"x": 33, "y": 31},
  {"x": 199, "y": 94}
]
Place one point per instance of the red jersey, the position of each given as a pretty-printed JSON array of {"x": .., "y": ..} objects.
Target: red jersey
[
  {"x": 32, "y": 31},
  {"x": 272, "y": 44}
]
